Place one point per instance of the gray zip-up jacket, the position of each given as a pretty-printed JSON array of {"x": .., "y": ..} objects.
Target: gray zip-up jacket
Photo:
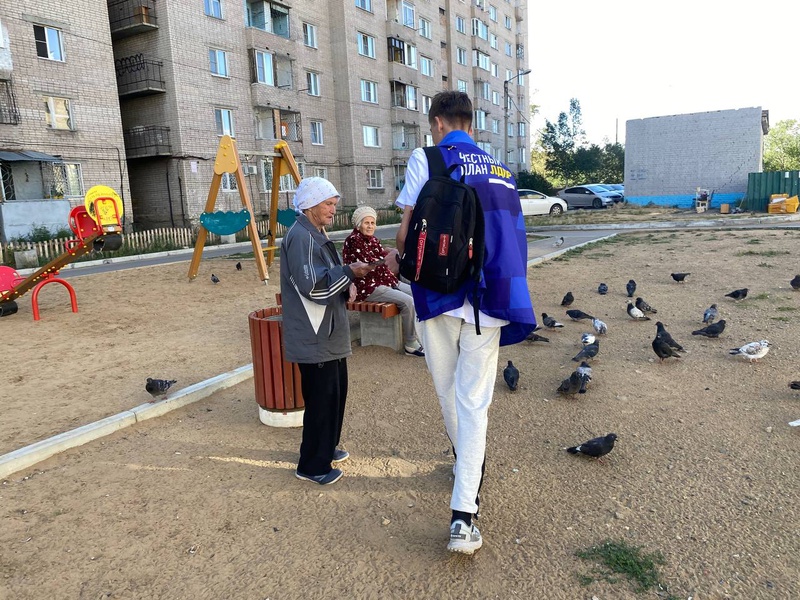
[{"x": 314, "y": 292}]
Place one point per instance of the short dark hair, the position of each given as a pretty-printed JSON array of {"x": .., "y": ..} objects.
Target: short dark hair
[{"x": 455, "y": 108}]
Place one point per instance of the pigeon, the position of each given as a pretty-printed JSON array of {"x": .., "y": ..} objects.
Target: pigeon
[
  {"x": 511, "y": 375},
  {"x": 158, "y": 387},
  {"x": 570, "y": 385},
  {"x": 238, "y": 266},
  {"x": 713, "y": 330},
  {"x": 663, "y": 334},
  {"x": 602, "y": 289},
  {"x": 631, "y": 287},
  {"x": 585, "y": 372},
  {"x": 644, "y": 306},
  {"x": 550, "y": 321},
  {"x": 635, "y": 314},
  {"x": 752, "y": 351},
  {"x": 535, "y": 337},
  {"x": 596, "y": 447},
  {"x": 599, "y": 327},
  {"x": 559, "y": 242},
  {"x": 589, "y": 351},
  {"x": 587, "y": 338},
  {"x": 738, "y": 294},
  {"x": 568, "y": 299},
  {"x": 710, "y": 315},
  {"x": 577, "y": 315},
  {"x": 679, "y": 277},
  {"x": 663, "y": 349},
  {"x": 795, "y": 385},
  {"x": 795, "y": 283},
  {"x": 214, "y": 279}
]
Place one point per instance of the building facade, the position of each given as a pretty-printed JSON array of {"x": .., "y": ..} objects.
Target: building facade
[
  {"x": 60, "y": 123},
  {"x": 346, "y": 83}
]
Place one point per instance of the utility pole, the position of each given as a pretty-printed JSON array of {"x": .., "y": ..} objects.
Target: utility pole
[{"x": 505, "y": 110}]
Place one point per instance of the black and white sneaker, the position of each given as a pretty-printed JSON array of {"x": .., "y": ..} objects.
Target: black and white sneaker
[
  {"x": 464, "y": 539},
  {"x": 414, "y": 350}
]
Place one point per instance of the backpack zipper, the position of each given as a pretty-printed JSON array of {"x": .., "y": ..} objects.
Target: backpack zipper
[{"x": 423, "y": 234}]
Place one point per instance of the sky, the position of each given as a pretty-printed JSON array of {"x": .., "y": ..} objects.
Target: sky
[{"x": 627, "y": 60}]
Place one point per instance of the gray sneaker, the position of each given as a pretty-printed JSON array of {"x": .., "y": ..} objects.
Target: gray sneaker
[{"x": 464, "y": 539}]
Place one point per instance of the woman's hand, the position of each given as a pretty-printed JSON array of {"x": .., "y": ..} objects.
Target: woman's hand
[
  {"x": 352, "y": 292},
  {"x": 360, "y": 269}
]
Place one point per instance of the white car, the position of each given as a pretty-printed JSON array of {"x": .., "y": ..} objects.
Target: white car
[{"x": 537, "y": 203}]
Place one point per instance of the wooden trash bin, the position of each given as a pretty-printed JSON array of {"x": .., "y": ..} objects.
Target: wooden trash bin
[{"x": 277, "y": 381}]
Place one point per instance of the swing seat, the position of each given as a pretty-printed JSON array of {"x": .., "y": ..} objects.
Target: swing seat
[
  {"x": 287, "y": 217},
  {"x": 225, "y": 222}
]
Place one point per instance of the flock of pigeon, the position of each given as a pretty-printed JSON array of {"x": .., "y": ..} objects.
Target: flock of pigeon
[{"x": 663, "y": 344}]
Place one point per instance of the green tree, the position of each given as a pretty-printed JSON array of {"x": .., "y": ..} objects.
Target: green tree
[
  {"x": 782, "y": 147},
  {"x": 559, "y": 141}
]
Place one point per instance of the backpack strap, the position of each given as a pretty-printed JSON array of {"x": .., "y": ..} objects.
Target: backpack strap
[{"x": 436, "y": 164}]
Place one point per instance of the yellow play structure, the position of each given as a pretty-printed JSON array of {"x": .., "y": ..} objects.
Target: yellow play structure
[{"x": 229, "y": 222}]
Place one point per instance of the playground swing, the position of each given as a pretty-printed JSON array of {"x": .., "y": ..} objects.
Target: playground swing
[{"x": 229, "y": 222}]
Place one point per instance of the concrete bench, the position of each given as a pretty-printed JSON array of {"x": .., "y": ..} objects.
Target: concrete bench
[{"x": 379, "y": 324}]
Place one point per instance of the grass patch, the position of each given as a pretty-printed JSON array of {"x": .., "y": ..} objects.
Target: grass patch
[
  {"x": 617, "y": 558},
  {"x": 753, "y": 241},
  {"x": 782, "y": 319},
  {"x": 761, "y": 296},
  {"x": 785, "y": 308},
  {"x": 767, "y": 253},
  {"x": 765, "y": 265}
]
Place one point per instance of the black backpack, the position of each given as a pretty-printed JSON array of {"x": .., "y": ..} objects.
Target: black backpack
[{"x": 445, "y": 242}]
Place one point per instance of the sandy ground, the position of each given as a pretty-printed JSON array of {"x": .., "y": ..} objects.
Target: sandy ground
[{"x": 202, "y": 503}]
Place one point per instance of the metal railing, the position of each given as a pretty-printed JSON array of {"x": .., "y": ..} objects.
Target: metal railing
[
  {"x": 152, "y": 140},
  {"x": 137, "y": 76},
  {"x": 128, "y": 17}
]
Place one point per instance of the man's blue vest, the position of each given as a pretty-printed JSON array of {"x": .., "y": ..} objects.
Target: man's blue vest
[{"x": 504, "y": 286}]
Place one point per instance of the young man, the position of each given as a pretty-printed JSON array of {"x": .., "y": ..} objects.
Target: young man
[{"x": 462, "y": 363}]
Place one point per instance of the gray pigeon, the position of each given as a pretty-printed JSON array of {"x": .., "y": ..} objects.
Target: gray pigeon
[
  {"x": 535, "y": 337},
  {"x": 585, "y": 373},
  {"x": 679, "y": 277},
  {"x": 795, "y": 283},
  {"x": 795, "y": 385},
  {"x": 644, "y": 306},
  {"x": 570, "y": 385},
  {"x": 636, "y": 314},
  {"x": 158, "y": 388},
  {"x": 602, "y": 289},
  {"x": 511, "y": 376},
  {"x": 663, "y": 334},
  {"x": 599, "y": 326},
  {"x": 578, "y": 315},
  {"x": 631, "y": 287},
  {"x": 738, "y": 294},
  {"x": 710, "y": 315},
  {"x": 588, "y": 352},
  {"x": 214, "y": 279},
  {"x": 559, "y": 242},
  {"x": 596, "y": 447},
  {"x": 713, "y": 330},
  {"x": 550, "y": 321},
  {"x": 238, "y": 266},
  {"x": 568, "y": 299},
  {"x": 587, "y": 338},
  {"x": 663, "y": 349}
]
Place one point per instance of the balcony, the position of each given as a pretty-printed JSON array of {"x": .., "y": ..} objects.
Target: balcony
[
  {"x": 131, "y": 17},
  {"x": 405, "y": 136},
  {"x": 137, "y": 76},
  {"x": 147, "y": 141}
]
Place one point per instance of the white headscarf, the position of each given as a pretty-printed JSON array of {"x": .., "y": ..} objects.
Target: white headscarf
[
  {"x": 312, "y": 191},
  {"x": 361, "y": 213}
]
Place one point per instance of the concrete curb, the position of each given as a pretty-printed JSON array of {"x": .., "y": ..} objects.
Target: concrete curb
[
  {"x": 30, "y": 455},
  {"x": 721, "y": 223},
  {"x": 557, "y": 253}
]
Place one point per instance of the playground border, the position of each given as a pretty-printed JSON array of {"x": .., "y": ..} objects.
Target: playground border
[{"x": 28, "y": 456}]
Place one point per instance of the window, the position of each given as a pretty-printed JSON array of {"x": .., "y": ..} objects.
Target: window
[
  {"x": 428, "y": 139},
  {"x": 404, "y": 96},
  {"x": 224, "y": 121},
  {"x": 493, "y": 13},
  {"x": 426, "y": 66},
  {"x": 520, "y": 77},
  {"x": 508, "y": 22},
  {"x": 316, "y": 133},
  {"x": 286, "y": 183},
  {"x": 321, "y": 172},
  {"x": 484, "y": 90},
  {"x": 399, "y": 177},
  {"x": 496, "y": 98},
  {"x": 369, "y": 91},
  {"x": 480, "y": 29},
  {"x": 213, "y": 8},
  {"x": 480, "y": 120},
  {"x": 424, "y": 28},
  {"x": 493, "y": 41},
  {"x": 510, "y": 130},
  {"x": 462, "y": 86},
  {"x": 375, "y": 179},
  {"x": 509, "y": 51},
  {"x": 218, "y": 60},
  {"x": 481, "y": 60},
  {"x": 495, "y": 125},
  {"x": 408, "y": 14},
  {"x": 461, "y": 25},
  {"x": 268, "y": 16},
  {"x": 372, "y": 137},
  {"x": 67, "y": 180},
  {"x": 265, "y": 68},
  {"x": 509, "y": 74},
  {"x": 521, "y": 128},
  {"x": 494, "y": 69},
  {"x": 426, "y": 104},
  {"x": 57, "y": 113},
  {"x": 49, "y": 43},
  {"x": 404, "y": 136},
  {"x": 309, "y": 35},
  {"x": 522, "y": 157},
  {"x": 402, "y": 52},
  {"x": 312, "y": 81},
  {"x": 7, "y": 191},
  {"x": 228, "y": 182},
  {"x": 364, "y": 4},
  {"x": 265, "y": 126},
  {"x": 366, "y": 45},
  {"x": 461, "y": 56}
]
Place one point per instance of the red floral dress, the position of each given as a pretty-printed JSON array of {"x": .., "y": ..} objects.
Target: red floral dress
[{"x": 359, "y": 247}]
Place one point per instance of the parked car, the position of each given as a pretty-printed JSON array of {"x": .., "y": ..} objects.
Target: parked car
[
  {"x": 615, "y": 187},
  {"x": 584, "y": 196},
  {"x": 537, "y": 203}
]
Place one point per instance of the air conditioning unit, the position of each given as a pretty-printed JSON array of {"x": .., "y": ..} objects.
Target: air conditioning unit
[{"x": 251, "y": 170}]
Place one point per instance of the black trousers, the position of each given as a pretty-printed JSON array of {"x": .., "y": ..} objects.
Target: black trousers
[{"x": 324, "y": 388}]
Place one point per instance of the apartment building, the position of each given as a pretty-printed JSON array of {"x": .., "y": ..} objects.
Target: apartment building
[
  {"x": 347, "y": 83},
  {"x": 60, "y": 127}
]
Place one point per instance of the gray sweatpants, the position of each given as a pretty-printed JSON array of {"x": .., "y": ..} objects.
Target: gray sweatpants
[{"x": 402, "y": 297}]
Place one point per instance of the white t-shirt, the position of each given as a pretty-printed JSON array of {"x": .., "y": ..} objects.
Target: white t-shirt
[{"x": 416, "y": 177}]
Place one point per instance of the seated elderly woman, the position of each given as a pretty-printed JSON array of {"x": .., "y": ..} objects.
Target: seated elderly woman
[{"x": 380, "y": 284}]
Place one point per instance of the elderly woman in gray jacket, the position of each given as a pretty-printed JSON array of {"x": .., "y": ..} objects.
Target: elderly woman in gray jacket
[{"x": 315, "y": 287}]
